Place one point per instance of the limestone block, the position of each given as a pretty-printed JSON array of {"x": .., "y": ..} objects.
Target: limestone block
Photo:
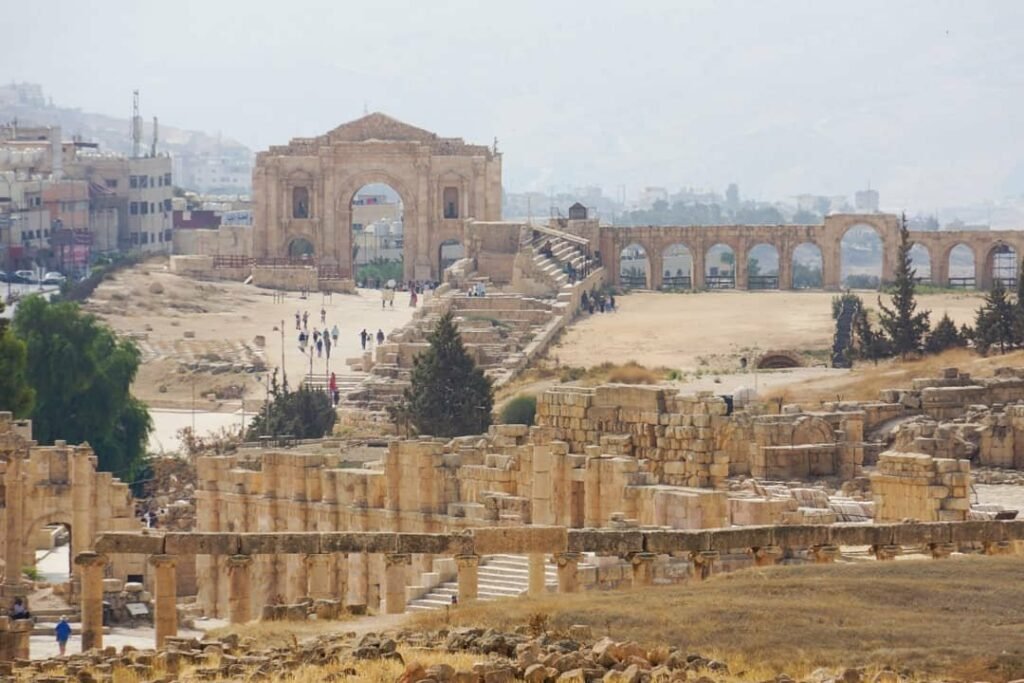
[
  {"x": 920, "y": 533},
  {"x": 802, "y": 536},
  {"x": 494, "y": 540},
  {"x": 113, "y": 542},
  {"x": 604, "y": 541},
  {"x": 666, "y": 542},
  {"x": 280, "y": 544},
  {"x": 358, "y": 542},
  {"x": 978, "y": 532},
  {"x": 201, "y": 543},
  {"x": 435, "y": 544}
]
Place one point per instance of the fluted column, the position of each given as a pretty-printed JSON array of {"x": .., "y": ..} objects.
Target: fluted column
[{"x": 165, "y": 597}]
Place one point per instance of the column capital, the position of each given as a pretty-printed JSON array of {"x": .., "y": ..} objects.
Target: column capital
[
  {"x": 89, "y": 558},
  {"x": 941, "y": 551},
  {"x": 467, "y": 560},
  {"x": 393, "y": 559},
  {"x": 766, "y": 551},
  {"x": 562, "y": 559},
  {"x": 159, "y": 561},
  {"x": 239, "y": 561},
  {"x": 825, "y": 553},
  {"x": 704, "y": 556},
  {"x": 886, "y": 552},
  {"x": 640, "y": 558}
]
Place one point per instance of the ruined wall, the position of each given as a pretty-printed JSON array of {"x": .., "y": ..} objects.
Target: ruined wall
[{"x": 920, "y": 487}]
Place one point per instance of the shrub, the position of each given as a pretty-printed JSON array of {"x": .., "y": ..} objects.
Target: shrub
[
  {"x": 632, "y": 373},
  {"x": 520, "y": 410}
]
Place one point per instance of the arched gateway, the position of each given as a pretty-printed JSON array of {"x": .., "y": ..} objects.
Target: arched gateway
[{"x": 303, "y": 191}]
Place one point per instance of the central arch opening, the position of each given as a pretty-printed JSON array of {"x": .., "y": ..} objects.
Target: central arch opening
[
  {"x": 763, "y": 267},
  {"x": 961, "y": 267},
  {"x": 678, "y": 264},
  {"x": 300, "y": 249},
  {"x": 921, "y": 263},
  {"x": 377, "y": 235},
  {"x": 634, "y": 266},
  {"x": 861, "y": 258},
  {"x": 720, "y": 267}
]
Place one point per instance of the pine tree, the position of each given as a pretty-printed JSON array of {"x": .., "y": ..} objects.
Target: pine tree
[
  {"x": 995, "y": 324},
  {"x": 449, "y": 395},
  {"x": 905, "y": 328},
  {"x": 871, "y": 343},
  {"x": 944, "y": 336}
]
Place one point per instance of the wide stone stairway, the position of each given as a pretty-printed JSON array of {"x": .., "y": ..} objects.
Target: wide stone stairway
[{"x": 499, "y": 576}]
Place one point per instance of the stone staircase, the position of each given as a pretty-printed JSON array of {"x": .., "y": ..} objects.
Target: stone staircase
[{"x": 499, "y": 576}]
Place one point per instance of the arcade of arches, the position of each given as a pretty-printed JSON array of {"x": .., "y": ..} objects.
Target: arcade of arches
[
  {"x": 303, "y": 192},
  {"x": 703, "y": 257}
]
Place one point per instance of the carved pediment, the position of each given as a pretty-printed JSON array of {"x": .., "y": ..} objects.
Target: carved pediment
[{"x": 377, "y": 126}]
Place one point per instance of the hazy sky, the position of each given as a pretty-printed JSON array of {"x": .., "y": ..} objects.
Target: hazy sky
[{"x": 923, "y": 99}]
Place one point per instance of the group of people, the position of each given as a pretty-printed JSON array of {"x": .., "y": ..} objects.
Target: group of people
[
  {"x": 602, "y": 303},
  {"x": 366, "y": 337}
]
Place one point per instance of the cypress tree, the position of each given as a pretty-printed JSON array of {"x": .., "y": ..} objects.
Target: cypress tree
[
  {"x": 995, "y": 324},
  {"x": 904, "y": 327},
  {"x": 449, "y": 396},
  {"x": 944, "y": 336}
]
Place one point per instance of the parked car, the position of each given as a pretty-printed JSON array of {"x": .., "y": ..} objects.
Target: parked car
[
  {"x": 26, "y": 276},
  {"x": 14, "y": 278},
  {"x": 54, "y": 278}
]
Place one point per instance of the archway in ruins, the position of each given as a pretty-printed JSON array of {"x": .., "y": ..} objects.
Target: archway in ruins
[
  {"x": 763, "y": 267},
  {"x": 450, "y": 251},
  {"x": 1001, "y": 266},
  {"x": 50, "y": 545},
  {"x": 720, "y": 267},
  {"x": 921, "y": 263},
  {"x": 861, "y": 255},
  {"x": 960, "y": 263},
  {"x": 808, "y": 266},
  {"x": 301, "y": 249},
  {"x": 677, "y": 262},
  {"x": 378, "y": 234},
  {"x": 634, "y": 267}
]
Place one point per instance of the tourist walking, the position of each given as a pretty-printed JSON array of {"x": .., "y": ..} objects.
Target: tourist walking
[
  {"x": 303, "y": 338},
  {"x": 327, "y": 345},
  {"x": 305, "y": 320},
  {"x": 323, "y": 316},
  {"x": 412, "y": 297},
  {"x": 298, "y": 320},
  {"x": 319, "y": 347},
  {"x": 380, "y": 336},
  {"x": 333, "y": 386},
  {"x": 63, "y": 633},
  {"x": 335, "y": 332},
  {"x": 363, "y": 336}
]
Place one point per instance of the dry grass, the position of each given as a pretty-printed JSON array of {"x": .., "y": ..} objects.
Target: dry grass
[
  {"x": 866, "y": 380},
  {"x": 268, "y": 634},
  {"x": 962, "y": 618}
]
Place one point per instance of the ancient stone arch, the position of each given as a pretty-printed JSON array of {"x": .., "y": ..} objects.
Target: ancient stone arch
[{"x": 421, "y": 166}]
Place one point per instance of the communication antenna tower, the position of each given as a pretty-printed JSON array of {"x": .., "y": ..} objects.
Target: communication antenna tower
[{"x": 136, "y": 125}]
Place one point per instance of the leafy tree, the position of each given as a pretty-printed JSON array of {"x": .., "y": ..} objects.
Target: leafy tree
[
  {"x": 304, "y": 414},
  {"x": 905, "y": 328},
  {"x": 449, "y": 395},
  {"x": 16, "y": 395},
  {"x": 944, "y": 336},
  {"x": 82, "y": 375},
  {"x": 995, "y": 323}
]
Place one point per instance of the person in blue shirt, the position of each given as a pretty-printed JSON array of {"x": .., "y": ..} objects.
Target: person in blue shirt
[{"x": 63, "y": 631}]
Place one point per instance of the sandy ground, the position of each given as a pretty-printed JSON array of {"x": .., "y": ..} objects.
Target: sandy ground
[
  {"x": 711, "y": 331},
  {"x": 158, "y": 308}
]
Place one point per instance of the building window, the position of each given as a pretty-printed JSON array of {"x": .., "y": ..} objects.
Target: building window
[
  {"x": 152, "y": 207},
  {"x": 451, "y": 202},
  {"x": 167, "y": 179},
  {"x": 133, "y": 208},
  {"x": 300, "y": 202},
  {"x": 167, "y": 205},
  {"x": 167, "y": 235},
  {"x": 39, "y": 234},
  {"x": 143, "y": 181},
  {"x": 111, "y": 182},
  {"x": 145, "y": 208},
  {"x": 133, "y": 181}
]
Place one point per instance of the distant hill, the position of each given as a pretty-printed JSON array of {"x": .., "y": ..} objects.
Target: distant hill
[{"x": 26, "y": 103}]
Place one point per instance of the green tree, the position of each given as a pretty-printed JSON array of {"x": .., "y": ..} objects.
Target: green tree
[
  {"x": 904, "y": 327},
  {"x": 449, "y": 395},
  {"x": 82, "y": 375},
  {"x": 304, "y": 414},
  {"x": 871, "y": 343},
  {"x": 944, "y": 336},
  {"x": 16, "y": 395},
  {"x": 995, "y": 323}
]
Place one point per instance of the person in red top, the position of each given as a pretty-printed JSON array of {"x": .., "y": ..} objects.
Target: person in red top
[{"x": 333, "y": 386}]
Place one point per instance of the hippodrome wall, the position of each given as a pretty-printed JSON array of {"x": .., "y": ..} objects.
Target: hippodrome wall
[{"x": 827, "y": 238}]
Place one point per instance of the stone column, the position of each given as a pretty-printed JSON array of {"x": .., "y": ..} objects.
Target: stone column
[
  {"x": 740, "y": 256},
  {"x": 766, "y": 556},
  {"x": 468, "y": 572},
  {"x": 165, "y": 598},
  {"x": 318, "y": 573},
  {"x": 14, "y": 495},
  {"x": 824, "y": 554},
  {"x": 394, "y": 582},
  {"x": 785, "y": 267},
  {"x": 357, "y": 590},
  {"x": 91, "y": 566},
  {"x": 568, "y": 572},
  {"x": 703, "y": 563},
  {"x": 886, "y": 552},
  {"x": 239, "y": 589},
  {"x": 698, "y": 252},
  {"x": 941, "y": 551},
  {"x": 643, "y": 569},
  {"x": 538, "y": 578}
]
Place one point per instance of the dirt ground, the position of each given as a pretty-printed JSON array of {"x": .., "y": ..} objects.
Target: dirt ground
[
  {"x": 714, "y": 329},
  {"x": 159, "y": 309}
]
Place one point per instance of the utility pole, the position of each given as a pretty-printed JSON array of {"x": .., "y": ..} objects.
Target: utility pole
[{"x": 284, "y": 375}]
